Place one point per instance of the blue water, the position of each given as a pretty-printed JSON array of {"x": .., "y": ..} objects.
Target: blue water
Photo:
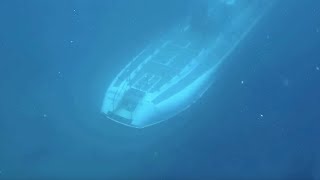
[{"x": 260, "y": 120}]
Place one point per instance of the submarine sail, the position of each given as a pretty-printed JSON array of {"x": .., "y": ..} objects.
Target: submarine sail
[{"x": 173, "y": 71}]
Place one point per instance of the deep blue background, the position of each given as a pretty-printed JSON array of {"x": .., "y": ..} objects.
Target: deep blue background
[{"x": 58, "y": 57}]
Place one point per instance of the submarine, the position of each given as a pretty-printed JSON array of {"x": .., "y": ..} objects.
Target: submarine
[{"x": 177, "y": 68}]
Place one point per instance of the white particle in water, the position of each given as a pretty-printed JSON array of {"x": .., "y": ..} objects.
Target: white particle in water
[
  {"x": 45, "y": 115},
  {"x": 242, "y": 82},
  {"x": 317, "y": 68}
]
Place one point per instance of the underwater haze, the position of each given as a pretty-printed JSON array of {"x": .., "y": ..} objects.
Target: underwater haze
[{"x": 259, "y": 120}]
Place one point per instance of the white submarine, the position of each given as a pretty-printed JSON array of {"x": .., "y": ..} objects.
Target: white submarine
[{"x": 176, "y": 69}]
